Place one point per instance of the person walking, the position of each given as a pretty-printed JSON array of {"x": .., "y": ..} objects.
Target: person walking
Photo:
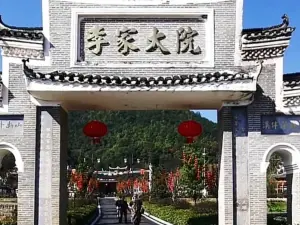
[
  {"x": 118, "y": 207},
  {"x": 123, "y": 210},
  {"x": 136, "y": 206}
]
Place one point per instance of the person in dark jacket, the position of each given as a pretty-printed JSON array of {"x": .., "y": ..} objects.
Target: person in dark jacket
[
  {"x": 137, "y": 209},
  {"x": 123, "y": 210}
]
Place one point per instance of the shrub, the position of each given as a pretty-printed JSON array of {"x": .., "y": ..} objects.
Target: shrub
[
  {"x": 81, "y": 215},
  {"x": 276, "y": 206},
  {"x": 177, "y": 216},
  {"x": 8, "y": 221}
]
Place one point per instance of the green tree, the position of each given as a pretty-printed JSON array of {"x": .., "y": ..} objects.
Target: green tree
[
  {"x": 150, "y": 136},
  {"x": 190, "y": 185}
]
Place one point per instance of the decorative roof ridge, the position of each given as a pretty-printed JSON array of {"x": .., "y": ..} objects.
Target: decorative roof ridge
[
  {"x": 284, "y": 25},
  {"x": 288, "y": 76},
  {"x": 171, "y": 80},
  {"x": 28, "y": 29},
  {"x": 291, "y": 81}
]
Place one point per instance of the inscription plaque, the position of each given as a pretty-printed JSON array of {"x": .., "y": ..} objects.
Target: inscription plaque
[
  {"x": 280, "y": 124},
  {"x": 11, "y": 125},
  {"x": 45, "y": 170}
]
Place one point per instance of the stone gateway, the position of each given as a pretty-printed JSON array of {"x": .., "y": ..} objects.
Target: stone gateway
[{"x": 145, "y": 55}]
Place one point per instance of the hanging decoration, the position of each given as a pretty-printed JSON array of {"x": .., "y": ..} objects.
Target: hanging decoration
[
  {"x": 190, "y": 129},
  {"x": 95, "y": 130}
]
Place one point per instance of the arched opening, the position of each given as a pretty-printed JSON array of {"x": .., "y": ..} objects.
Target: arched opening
[
  {"x": 281, "y": 166},
  {"x": 10, "y": 164}
]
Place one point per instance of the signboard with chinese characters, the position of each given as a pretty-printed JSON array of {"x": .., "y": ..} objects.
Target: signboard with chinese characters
[
  {"x": 283, "y": 124},
  {"x": 11, "y": 125},
  {"x": 240, "y": 123},
  {"x": 163, "y": 41}
]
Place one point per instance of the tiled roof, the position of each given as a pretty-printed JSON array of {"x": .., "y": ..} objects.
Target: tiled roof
[
  {"x": 27, "y": 33},
  {"x": 263, "y": 53},
  {"x": 291, "y": 80},
  {"x": 265, "y": 43},
  {"x": 291, "y": 101},
  {"x": 71, "y": 77},
  {"x": 269, "y": 33}
]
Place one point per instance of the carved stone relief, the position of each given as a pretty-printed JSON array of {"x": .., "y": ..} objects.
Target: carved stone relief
[{"x": 22, "y": 52}]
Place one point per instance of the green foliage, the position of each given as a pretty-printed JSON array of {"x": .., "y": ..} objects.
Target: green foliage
[
  {"x": 177, "y": 216},
  {"x": 8, "y": 221},
  {"x": 191, "y": 187},
  {"x": 147, "y": 135},
  {"x": 277, "y": 206},
  {"x": 277, "y": 219},
  {"x": 159, "y": 187},
  {"x": 183, "y": 214},
  {"x": 81, "y": 215}
]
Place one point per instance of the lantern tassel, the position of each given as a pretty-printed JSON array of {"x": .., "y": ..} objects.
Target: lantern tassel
[
  {"x": 190, "y": 140},
  {"x": 95, "y": 140}
]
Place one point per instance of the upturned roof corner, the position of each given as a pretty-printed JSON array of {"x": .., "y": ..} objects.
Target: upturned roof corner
[
  {"x": 268, "y": 42},
  {"x": 21, "y": 37}
]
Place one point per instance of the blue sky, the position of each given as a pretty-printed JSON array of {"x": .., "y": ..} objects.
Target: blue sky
[{"x": 257, "y": 13}]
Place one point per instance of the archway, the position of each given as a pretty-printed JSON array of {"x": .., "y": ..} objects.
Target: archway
[
  {"x": 6, "y": 148},
  {"x": 290, "y": 157},
  {"x": 10, "y": 165}
]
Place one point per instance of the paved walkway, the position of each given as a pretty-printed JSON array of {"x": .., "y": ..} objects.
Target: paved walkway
[{"x": 109, "y": 214}]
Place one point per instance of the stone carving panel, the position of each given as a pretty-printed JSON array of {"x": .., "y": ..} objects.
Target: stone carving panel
[{"x": 22, "y": 52}]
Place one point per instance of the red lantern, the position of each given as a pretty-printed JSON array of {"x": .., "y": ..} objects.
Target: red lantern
[
  {"x": 95, "y": 130},
  {"x": 190, "y": 129}
]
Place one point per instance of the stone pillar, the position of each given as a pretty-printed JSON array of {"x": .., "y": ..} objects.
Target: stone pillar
[
  {"x": 293, "y": 197},
  {"x": 51, "y": 188},
  {"x": 225, "y": 196},
  {"x": 240, "y": 166},
  {"x": 27, "y": 213}
]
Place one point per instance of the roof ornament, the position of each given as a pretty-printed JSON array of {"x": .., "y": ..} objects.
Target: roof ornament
[
  {"x": 259, "y": 66},
  {"x": 27, "y": 71},
  {"x": 285, "y": 23}
]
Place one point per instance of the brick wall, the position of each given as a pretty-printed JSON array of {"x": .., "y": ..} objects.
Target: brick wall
[
  {"x": 19, "y": 103},
  {"x": 258, "y": 144},
  {"x": 60, "y": 23},
  {"x": 29, "y": 146}
]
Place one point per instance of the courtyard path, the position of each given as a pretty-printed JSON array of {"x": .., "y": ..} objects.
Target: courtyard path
[{"x": 109, "y": 214}]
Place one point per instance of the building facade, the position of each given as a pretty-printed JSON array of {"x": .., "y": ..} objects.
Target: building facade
[{"x": 146, "y": 55}]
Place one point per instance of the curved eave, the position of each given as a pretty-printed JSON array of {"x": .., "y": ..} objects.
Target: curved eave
[
  {"x": 141, "y": 93},
  {"x": 34, "y": 29},
  {"x": 13, "y": 36},
  {"x": 47, "y": 85},
  {"x": 107, "y": 97},
  {"x": 291, "y": 92},
  {"x": 265, "y": 43}
]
